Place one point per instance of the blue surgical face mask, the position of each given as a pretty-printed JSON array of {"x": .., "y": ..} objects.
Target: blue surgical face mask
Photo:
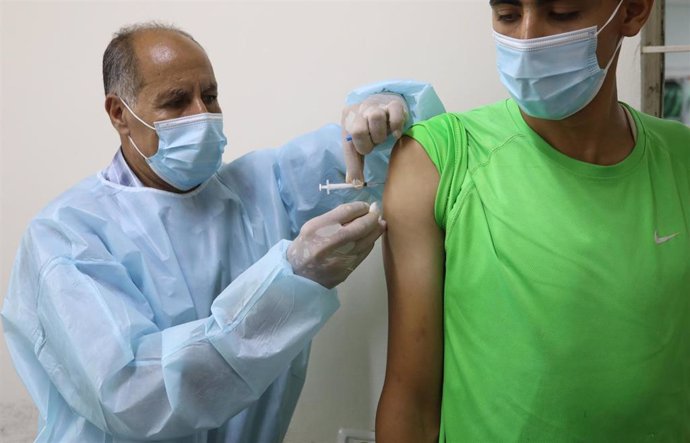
[
  {"x": 190, "y": 149},
  {"x": 555, "y": 76}
]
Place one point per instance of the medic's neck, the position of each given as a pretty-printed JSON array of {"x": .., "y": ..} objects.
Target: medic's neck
[{"x": 598, "y": 134}]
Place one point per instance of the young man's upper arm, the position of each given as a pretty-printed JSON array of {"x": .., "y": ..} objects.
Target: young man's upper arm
[{"x": 409, "y": 409}]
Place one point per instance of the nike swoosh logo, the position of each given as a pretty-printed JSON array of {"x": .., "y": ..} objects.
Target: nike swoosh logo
[{"x": 660, "y": 240}]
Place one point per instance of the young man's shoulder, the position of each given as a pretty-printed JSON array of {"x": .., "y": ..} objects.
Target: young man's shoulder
[
  {"x": 483, "y": 115},
  {"x": 670, "y": 135},
  {"x": 488, "y": 125}
]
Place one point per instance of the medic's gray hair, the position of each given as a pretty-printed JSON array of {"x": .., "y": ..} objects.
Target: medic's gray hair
[{"x": 120, "y": 71}]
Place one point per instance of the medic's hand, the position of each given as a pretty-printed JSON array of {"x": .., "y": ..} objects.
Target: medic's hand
[
  {"x": 369, "y": 123},
  {"x": 329, "y": 247}
]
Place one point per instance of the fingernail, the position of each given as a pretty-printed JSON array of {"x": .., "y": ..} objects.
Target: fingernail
[
  {"x": 397, "y": 133},
  {"x": 374, "y": 207}
]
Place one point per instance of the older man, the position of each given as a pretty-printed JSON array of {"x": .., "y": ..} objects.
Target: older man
[{"x": 160, "y": 299}]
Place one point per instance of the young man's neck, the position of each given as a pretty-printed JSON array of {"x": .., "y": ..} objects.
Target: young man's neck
[{"x": 600, "y": 133}]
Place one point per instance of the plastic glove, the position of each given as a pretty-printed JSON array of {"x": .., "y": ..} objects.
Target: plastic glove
[
  {"x": 369, "y": 123},
  {"x": 329, "y": 247}
]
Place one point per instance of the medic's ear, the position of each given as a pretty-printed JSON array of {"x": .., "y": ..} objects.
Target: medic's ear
[
  {"x": 116, "y": 113},
  {"x": 636, "y": 15}
]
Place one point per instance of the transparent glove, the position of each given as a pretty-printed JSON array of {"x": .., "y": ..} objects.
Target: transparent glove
[
  {"x": 329, "y": 247},
  {"x": 369, "y": 123}
]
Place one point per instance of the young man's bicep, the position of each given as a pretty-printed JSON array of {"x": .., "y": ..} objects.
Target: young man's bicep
[{"x": 413, "y": 253}]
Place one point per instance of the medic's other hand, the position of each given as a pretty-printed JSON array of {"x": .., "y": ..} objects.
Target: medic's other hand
[
  {"x": 369, "y": 123},
  {"x": 329, "y": 247}
]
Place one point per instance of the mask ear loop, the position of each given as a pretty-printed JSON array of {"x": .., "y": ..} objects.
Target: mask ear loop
[
  {"x": 615, "y": 11},
  {"x": 137, "y": 148},
  {"x": 618, "y": 47},
  {"x": 142, "y": 122},
  {"x": 620, "y": 41},
  {"x": 135, "y": 116}
]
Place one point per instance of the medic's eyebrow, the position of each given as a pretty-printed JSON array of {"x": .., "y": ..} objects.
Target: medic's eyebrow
[
  {"x": 172, "y": 95},
  {"x": 509, "y": 2},
  {"x": 212, "y": 87}
]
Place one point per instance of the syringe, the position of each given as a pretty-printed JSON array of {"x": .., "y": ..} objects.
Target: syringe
[{"x": 328, "y": 187}]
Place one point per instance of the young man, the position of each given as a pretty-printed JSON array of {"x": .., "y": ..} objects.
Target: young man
[{"x": 537, "y": 251}]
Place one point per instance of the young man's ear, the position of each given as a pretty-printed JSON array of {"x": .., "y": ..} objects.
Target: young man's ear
[
  {"x": 116, "y": 113},
  {"x": 636, "y": 15}
]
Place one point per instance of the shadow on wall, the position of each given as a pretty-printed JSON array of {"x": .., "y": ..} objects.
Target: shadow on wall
[{"x": 18, "y": 422}]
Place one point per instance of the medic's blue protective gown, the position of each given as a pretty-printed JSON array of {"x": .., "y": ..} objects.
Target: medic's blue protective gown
[{"x": 138, "y": 314}]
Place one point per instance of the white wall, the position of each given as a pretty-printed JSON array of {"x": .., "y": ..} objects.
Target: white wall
[{"x": 283, "y": 69}]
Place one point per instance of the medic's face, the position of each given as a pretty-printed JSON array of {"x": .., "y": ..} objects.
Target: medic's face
[
  {"x": 177, "y": 81},
  {"x": 525, "y": 19}
]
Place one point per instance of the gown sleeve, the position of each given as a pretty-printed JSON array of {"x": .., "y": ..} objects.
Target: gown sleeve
[{"x": 85, "y": 321}]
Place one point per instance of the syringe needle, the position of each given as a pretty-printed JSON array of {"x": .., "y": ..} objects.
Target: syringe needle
[{"x": 328, "y": 187}]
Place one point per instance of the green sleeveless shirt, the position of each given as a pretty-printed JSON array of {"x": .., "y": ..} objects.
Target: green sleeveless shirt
[{"x": 567, "y": 284}]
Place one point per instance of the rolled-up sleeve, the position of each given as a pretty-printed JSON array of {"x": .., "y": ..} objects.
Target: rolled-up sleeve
[{"x": 317, "y": 157}]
